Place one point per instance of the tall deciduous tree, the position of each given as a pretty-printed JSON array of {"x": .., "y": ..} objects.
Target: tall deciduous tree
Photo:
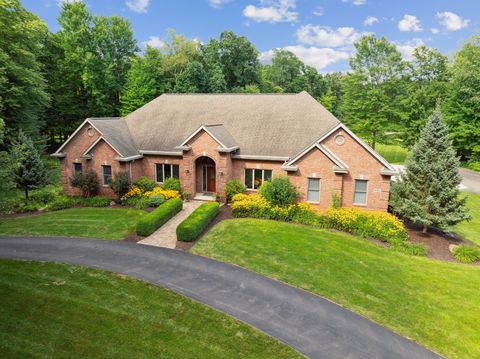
[
  {"x": 31, "y": 172},
  {"x": 22, "y": 85},
  {"x": 427, "y": 192},
  {"x": 236, "y": 56},
  {"x": 7, "y": 168},
  {"x": 427, "y": 84},
  {"x": 373, "y": 90},
  {"x": 145, "y": 81},
  {"x": 463, "y": 103},
  {"x": 192, "y": 80}
]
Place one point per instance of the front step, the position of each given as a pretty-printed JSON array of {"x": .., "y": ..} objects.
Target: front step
[{"x": 204, "y": 197}]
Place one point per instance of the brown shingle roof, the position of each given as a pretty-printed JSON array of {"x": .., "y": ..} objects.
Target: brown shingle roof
[{"x": 260, "y": 124}]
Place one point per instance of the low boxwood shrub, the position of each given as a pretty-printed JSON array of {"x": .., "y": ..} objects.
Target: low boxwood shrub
[
  {"x": 197, "y": 221},
  {"x": 467, "y": 254},
  {"x": 233, "y": 187},
  {"x": 158, "y": 217}
]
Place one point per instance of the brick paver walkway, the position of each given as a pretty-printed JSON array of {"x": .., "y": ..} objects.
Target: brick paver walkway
[{"x": 166, "y": 235}]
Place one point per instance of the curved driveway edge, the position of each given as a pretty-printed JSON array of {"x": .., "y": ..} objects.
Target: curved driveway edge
[{"x": 312, "y": 325}]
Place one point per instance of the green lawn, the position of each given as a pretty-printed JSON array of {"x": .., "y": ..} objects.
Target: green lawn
[
  {"x": 471, "y": 230},
  {"x": 59, "y": 311},
  {"x": 101, "y": 223},
  {"x": 435, "y": 303},
  {"x": 392, "y": 153}
]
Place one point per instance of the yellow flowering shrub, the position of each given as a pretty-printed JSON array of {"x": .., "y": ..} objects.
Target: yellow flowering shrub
[
  {"x": 134, "y": 191},
  {"x": 367, "y": 224},
  {"x": 167, "y": 193}
]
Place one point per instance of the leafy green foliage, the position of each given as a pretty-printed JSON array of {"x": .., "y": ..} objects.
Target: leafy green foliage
[
  {"x": 158, "y": 217},
  {"x": 145, "y": 184},
  {"x": 120, "y": 184},
  {"x": 156, "y": 200},
  {"x": 428, "y": 191},
  {"x": 192, "y": 80},
  {"x": 87, "y": 182},
  {"x": 192, "y": 226},
  {"x": 467, "y": 254},
  {"x": 463, "y": 103},
  {"x": 279, "y": 191},
  {"x": 172, "y": 184},
  {"x": 8, "y": 164},
  {"x": 233, "y": 187},
  {"x": 370, "y": 104},
  {"x": 392, "y": 153},
  {"x": 22, "y": 84},
  {"x": 30, "y": 172}
]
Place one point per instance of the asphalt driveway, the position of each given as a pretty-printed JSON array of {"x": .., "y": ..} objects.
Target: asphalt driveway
[{"x": 313, "y": 325}]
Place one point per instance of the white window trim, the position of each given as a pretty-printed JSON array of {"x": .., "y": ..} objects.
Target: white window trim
[
  {"x": 366, "y": 193},
  {"x": 163, "y": 170},
  {"x": 103, "y": 175},
  {"x": 319, "y": 189},
  {"x": 253, "y": 177}
]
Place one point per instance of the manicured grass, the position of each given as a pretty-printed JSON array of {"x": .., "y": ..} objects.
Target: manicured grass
[
  {"x": 471, "y": 230},
  {"x": 392, "y": 153},
  {"x": 60, "y": 311},
  {"x": 101, "y": 223},
  {"x": 435, "y": 303}
]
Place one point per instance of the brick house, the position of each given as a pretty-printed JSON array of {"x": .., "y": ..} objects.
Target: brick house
[{"x": 207, "y": 139}]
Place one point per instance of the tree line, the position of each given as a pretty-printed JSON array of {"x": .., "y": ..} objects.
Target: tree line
[{"x": 93, "y": 67}]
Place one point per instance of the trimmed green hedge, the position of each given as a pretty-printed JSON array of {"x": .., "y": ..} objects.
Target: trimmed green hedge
[
  {"x": 195, "y": 223},
  {"x": 158, "y": 217}
]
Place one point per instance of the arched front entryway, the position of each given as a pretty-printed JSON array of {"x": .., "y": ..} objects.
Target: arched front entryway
[{"x": 206, "y": 177}]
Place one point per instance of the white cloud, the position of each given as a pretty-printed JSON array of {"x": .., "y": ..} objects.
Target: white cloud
[
  {"x": 451, "y": 21},
  {"x": 318, "y": 11},
  {"x": 370, "y": 20},
  {"x": 313, "y": 56},
  {"x": 326, "y": 36},
  {"x": 406, "y": 48},
  {"x": 139, "y": 6},
  {"x": 154, "y": 41},
  {"x": 409, "y": 23},
  {"x": 434, "y": 30},
  {"x": 356, "y": 2},
  {"x": 272, "y": 11},
  {"x": 217, "y": 4}
]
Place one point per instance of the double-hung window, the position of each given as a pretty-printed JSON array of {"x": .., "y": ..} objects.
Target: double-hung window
[
  {"x": 255, "y": 177},
  {"x": 165, "y": 170},
  {"x": 107, "y": 175},
  {"x": 360, "y": 194},
  {"x": 313, "y": 190},
  {"x": 77, "y": 168}
]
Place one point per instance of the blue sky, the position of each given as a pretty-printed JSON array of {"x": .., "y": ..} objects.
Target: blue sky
[{"x": 320, "y": 32}]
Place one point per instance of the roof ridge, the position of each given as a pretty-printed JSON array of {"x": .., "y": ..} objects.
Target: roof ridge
[{"x": 234, "y": 94}]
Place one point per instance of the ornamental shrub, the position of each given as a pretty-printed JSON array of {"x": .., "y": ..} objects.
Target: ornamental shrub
[
  {"x": 156, "y": 200},
  {"x": 145, "y": 184},
  {"x": 172, "y": 184},
  {"x": 233, "y": 187},
  {"x": 167, "y": 193},
  {"x": 279, "y": 191},
  {"x": 467, "y": 254},
  {"x": 158, "y": 217},
  {"x": 62, "y": 202},
  {"x": 96, "y": 201},
  {"x": 197, "y": 221},
  {"x": 87, "y": 182},
  {"x": 120, "y": 184}
]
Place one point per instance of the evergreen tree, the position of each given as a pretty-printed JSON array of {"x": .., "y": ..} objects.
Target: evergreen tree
[
  {"x": 31, "y": 172},
  {"x": 427, "y": 192}
]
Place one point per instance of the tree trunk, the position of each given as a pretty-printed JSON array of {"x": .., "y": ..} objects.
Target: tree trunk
[
  {"x": 425, "y": 229},
  {"x": 26, "y": 195}
]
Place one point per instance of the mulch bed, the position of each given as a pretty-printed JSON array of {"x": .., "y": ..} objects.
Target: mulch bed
[
  {"x": 436, "y": 241},
  {"x": 225, "y": 213}
]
